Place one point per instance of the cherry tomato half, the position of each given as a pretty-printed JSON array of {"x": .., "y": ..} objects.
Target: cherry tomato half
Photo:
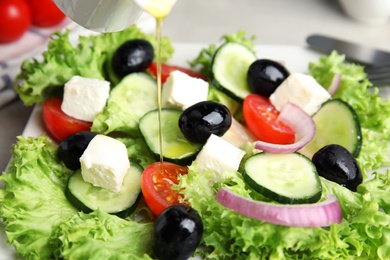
[
  {"x": 261, "y": 118},
  {"x": 45, "y": 13},
  {"x": 59, "y": 124},
  {"x": 156, "y": 183},
  {"x": 15, "y": 19},
  {"x": 167, "y": 69}
]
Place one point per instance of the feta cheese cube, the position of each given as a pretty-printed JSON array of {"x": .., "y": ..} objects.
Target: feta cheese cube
[
  {"x": 302, "y": 90},
  {"x": 85, "y": 97},
  {"x": 238, "y": 134},
  {"x": 104, "y": 163},
  {"x": 182, "y": 91},
  {"x": 219, "y": 156}
]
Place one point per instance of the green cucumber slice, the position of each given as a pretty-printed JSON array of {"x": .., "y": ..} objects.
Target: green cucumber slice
[
  {"x": 229, "y": 68},
  {"x": 176, "y": 148},
  {"x": 87, "y": 198},
  {"x": 287, "y": 178},
  {"x": 134, "y": 96},
  {"x": 336, "y": 123}
]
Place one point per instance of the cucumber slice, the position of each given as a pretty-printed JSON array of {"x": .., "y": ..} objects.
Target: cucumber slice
[
  {"x": 136, "y": 94},
  {"x": 287, "y": 178},
  {"x": 229, "y": 68},
  {"x": 336, "y": 123},
  {"x": 86, "y": 197},
  {"x": 176, "y": 148}
]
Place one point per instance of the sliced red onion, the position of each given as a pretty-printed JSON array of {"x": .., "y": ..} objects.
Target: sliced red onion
[
  {"x": 301, "y": 122},
  {"x": 320, "y": 214},
  {"x": 335, "y": 84}
]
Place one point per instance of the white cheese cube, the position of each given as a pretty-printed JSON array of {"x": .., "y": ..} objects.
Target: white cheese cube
[
  {"x": 104, "y": 163},
  {"x": 85, "y": 97},
  {"x": 219, "y": 156},
  {"x": 302, "y": 90},
  {"x": 238, "y": 134},
  {"x": 182, "y": 91}
]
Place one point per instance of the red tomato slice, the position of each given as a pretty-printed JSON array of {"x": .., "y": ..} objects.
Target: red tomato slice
[
  {"x": 261, "y": 118},
  {"x": 167, "y": 69},
  {"x": 156, "y": 183},
  {"x": 15, "y": 19},
  {"x": 45, "y": 13},
  {"x": 59, "y": 124}
]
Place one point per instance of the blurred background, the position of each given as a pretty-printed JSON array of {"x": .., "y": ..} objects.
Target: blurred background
[
  {"x": 276, "y": 22},
  {"x": 273, "y": 22}
]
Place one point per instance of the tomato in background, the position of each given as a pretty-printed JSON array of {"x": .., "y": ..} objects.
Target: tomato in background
[
  {"x": 156, "y": 182},
  {"x": 59, "y": 124},
  {"x": 167, "y": 69},
  {"x": 261, "y": 117},
  {"x": 15, "y": 19},
  {"x": 45, "y": 13}
]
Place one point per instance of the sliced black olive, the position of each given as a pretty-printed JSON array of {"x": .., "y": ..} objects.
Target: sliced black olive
[
  {"x": 71, "y": 148},
  {"x": 201, "y": 120},
  {"x": 132, "y": 56},
  {"x": 264, "y": 76},
  {"x": 177, "y": 233},
  {"x": 336, "y": 163}
]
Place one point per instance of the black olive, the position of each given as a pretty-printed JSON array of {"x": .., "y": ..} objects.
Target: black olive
[
  {"x": 201, "y": 120},
  {"x": 71, "y": 148},
  {"x": 264, "y": 76},
  {"x": 336, "y": 163},
  {"x": 177, "y": 233},
  {"x": 132, "y": 56}
]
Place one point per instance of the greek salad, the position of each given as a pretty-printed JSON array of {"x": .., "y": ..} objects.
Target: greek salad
[{"x": 259, "y": 162}]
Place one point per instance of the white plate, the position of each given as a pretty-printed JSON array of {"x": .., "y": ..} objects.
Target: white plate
[{"x": 295, "y": 58}]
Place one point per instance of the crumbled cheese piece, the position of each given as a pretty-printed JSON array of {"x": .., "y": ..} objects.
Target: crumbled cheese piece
[
  {"x": 105, "y": 162},
  {"x": 182, "y": 91},
  {"x": 219, "y": 155},
  {"x": 302, "y": 90},
  {"x": 85, "y": 97}
]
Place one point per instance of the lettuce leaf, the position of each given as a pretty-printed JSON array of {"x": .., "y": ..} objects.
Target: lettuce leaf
[
  {"x": 33, "y": 201},
  {"x": 62, "y": 60},
  {"x": 363, "y": 234},
  {"x": 137, "y": 150},
  {"x": 42, "y": 224},
  {"x": 99, "y": 235}
]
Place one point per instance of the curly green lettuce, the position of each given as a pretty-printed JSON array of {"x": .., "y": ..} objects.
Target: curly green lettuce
[
  {"x": 33, "y": 201},
  {"x": 42, "y": 224},
  {"x": 99, "y": 235},
  {"x": 364, "y": 232},
  {"x": 62, "y": 60}
]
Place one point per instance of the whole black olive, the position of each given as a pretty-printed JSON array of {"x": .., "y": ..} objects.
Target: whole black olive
[
  {"x": 336, "y": 163},
  {"x": 71, "y": 148},
  {"x": 201, "y": 120},
  {"x": 132, "y": 56},
  {"x": 264, "y": 76},
  {"x": 177, "y": 233}
]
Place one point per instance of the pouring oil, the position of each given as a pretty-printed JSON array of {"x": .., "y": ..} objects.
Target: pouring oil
[{"x": 159, "y": 9}]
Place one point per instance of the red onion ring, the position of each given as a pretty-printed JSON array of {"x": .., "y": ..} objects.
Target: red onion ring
[
  {"x": 301, "y": 122},
  {"x": 319, "y": 214},
  {"x": 335, "y": 84}
]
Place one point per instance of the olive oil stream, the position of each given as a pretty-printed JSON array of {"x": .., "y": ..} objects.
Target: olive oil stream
[
  {"x": 159, "y": 10},
  {"x": 159, "y": 84}
]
